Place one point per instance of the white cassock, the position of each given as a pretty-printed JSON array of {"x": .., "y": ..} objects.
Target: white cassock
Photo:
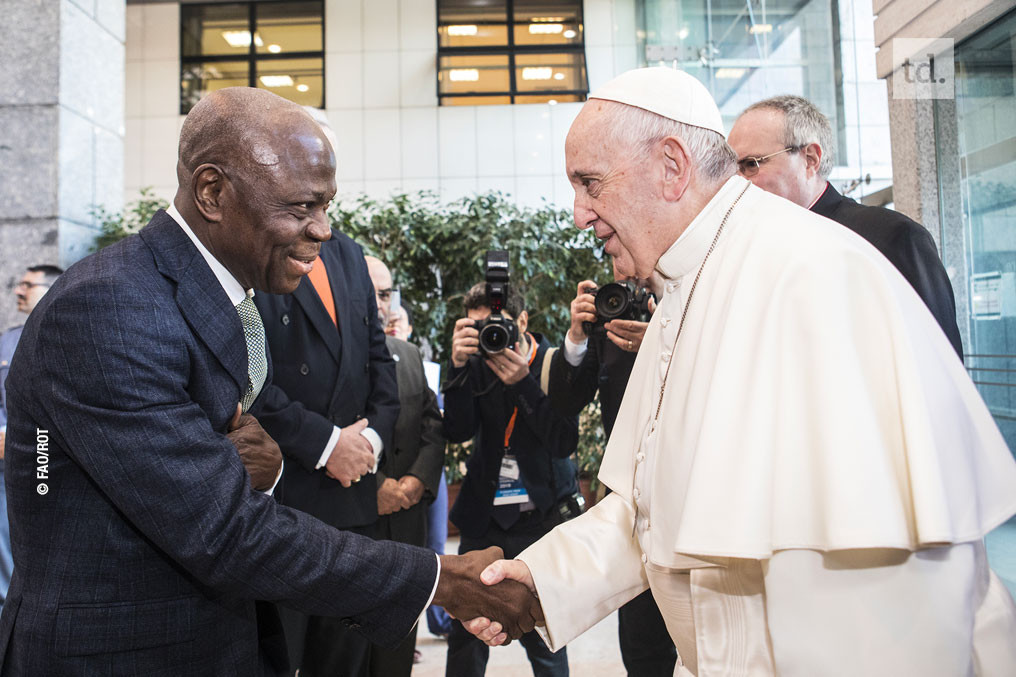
[{"x": 813, "y": 496}]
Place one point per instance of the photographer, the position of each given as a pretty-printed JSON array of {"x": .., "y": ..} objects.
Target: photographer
[
  {"x": 520, "y": 481},
  {"x": 603, "y": 361}
]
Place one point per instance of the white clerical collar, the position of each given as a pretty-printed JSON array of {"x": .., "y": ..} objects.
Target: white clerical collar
[
  {"x": 233, "y": 289},
  {"x": 691, "y": 246}
]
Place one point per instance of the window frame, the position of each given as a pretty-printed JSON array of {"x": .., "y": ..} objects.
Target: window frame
[
  {"x": 252, "y": 57},
  {"x": 511, "y": 50}
]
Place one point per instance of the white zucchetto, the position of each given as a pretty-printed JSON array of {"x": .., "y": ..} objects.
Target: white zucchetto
[{"x": 674, "y": 94}]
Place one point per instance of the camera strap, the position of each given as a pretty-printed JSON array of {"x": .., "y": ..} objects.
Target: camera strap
[{"x": 510, "y": 428}]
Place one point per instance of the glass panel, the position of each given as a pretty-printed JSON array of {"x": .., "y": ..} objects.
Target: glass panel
[
  {"x": 298, "y": 80},
  {"x": 538, "y": 22},
  {"x": 288, "y": 27},
  {"x": 747, "y": 51},
  {"x": 198, "y": 79},
  {"x": 472, "y": 23},
  {"x": 469, "y": 74},
  {"x": 976, "y": 141},
  {"x": 474, "y": 100},
  {"x": 549, "y": 72},
  {"x": 213, "y": 30},
  {"x": 549, "y": 98}
]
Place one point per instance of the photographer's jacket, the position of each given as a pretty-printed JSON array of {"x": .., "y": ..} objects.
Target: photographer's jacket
[{"x": 478, "y": 406}]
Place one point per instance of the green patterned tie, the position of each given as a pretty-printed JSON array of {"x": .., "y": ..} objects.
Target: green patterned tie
[{"x": 257, "y": 363}]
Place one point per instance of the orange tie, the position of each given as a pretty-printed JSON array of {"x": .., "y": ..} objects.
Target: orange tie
[{"x": 319, "y": 278}]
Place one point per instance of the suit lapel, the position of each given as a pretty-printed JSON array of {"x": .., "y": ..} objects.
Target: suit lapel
[
  {"x": 202, "y": 300},
  {"x": 319, "y": 318}
]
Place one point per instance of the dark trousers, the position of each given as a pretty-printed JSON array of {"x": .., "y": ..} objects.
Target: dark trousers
[
  {"x": 323, "y": 647},
  {"x": 467, "y": 656},
  {"x": 646, "y": 646}
]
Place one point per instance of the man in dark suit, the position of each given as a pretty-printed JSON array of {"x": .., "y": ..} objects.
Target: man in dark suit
[
  {"x": 140, "y": 544},
  {"x": 410, "y": 473},
  {"x": 329, "y": 355},
  {"x": 785, "y": 145},
  {"x": 602, "y": 363},
  {"x": 519, "y": 475}
]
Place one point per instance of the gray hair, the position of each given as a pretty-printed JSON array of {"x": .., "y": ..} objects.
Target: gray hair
[
  {"x": 642, "y": 130},
  {"x": 804, "y": 124}
]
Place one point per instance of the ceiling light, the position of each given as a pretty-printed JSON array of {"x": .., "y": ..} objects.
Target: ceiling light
[
  {"x": 237, "y": 38},
  {"x": 461, "y": 30},
  {"x": 730, "y": 73},
  {"x": 464, "y": 75},
  {"x": 537, "y": 73},
  {"x": 559, "y": 76},
  {"x": 274, "y": 49},
  {"x": 276, "y": 81},
  {"x": 760, "y": 28},
  {"x": 683, "y": 34},
  {"x": 547, "y": 19},
  {"x": 241, "y": 38},
  {"x": 302, "y": 88},
  {"x": 570, "y": 34},
  {"x": 553, "y": 102},
  {"x": 545, "y": 29}
]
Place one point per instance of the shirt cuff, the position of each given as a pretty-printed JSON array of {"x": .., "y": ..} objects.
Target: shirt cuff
[
  {"x": 436, "y": 579},
  {"x": 326, "y": 454},
  {"x": 574, "y": 352},
  {"x": 376, "y": 444},
  {"x": 282, "y": 466}
]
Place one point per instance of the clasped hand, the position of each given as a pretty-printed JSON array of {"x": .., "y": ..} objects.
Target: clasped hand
[{"x": 497, "y": 595}]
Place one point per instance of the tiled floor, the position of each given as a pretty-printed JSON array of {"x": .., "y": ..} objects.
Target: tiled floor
[{"x": 596, "y": 653}]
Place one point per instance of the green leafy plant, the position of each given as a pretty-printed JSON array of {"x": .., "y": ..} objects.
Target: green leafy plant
[{"x": 115, "y": 226}]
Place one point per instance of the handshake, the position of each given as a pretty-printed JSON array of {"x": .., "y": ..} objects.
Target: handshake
[{"x": 494, "y": 598}]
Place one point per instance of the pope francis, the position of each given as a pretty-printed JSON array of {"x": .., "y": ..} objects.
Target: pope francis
[{"x": 802, "y": 471}]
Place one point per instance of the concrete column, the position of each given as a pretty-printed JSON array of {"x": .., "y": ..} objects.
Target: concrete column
[{"x": 61, "y": 131}]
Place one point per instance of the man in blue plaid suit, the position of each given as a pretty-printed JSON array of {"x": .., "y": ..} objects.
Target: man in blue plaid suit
[{"x": 141, "y": 545}]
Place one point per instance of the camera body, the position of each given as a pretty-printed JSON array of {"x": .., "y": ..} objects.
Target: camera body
[
  {"x": 497, "y": 332},
  {"x": 624, "y": 300}
]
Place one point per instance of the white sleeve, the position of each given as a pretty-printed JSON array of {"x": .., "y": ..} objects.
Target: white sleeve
[
  {"x": 375, "y": 443},
  {"x": 873, "y": 611},
  {"x": 585, "y": 569},
  {"x": 574, "y": 352},
  {"x": 332, "y": 441},
  {"x": 282, "y": 466}
]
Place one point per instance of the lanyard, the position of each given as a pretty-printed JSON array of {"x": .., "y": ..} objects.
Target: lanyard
[{"x": 510, "y": 428}]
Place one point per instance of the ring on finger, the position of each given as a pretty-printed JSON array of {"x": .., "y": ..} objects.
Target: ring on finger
[{"x": 629, "y": 344}]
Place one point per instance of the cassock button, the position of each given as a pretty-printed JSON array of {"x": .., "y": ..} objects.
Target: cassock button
[
  {"x": 665, "y": 356},
  {"x": 285, "y": 319},
  {"x": 645, "y": 558},
  {"x": 665, "y": 322},
  {"x": 636, "y": 493},
  {"x": 304, "y": 369},
  {"x": 640, "y": 457},
  {"x": 671, "y": 286}
]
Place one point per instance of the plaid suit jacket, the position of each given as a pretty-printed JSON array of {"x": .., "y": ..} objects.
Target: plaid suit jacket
[{"x": 147, "y": 549}]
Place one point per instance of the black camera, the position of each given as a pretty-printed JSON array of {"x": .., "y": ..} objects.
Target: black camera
[
  {"x": 497, "y": 332},
  {"x": 622, "y": 300}
]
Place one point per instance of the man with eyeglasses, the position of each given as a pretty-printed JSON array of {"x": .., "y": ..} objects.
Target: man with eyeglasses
[
  {"x": 33, "y": 286},
  {"x": 785, "y": 145}
]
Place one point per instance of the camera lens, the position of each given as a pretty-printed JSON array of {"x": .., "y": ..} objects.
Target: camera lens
[
  {"x": 612, "y": 301},
  {"x": 494, "y": 338}
]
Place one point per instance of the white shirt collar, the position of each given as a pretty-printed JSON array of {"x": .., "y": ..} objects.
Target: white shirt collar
[
  {"x": 233, "y": 289},
  {"x": 691, "y": 246}
]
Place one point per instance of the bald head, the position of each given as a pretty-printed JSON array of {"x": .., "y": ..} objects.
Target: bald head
[
  {"x": 382, "y": 279},
  {"x": 245, "y": 130},
  {"x": 256, "y": 177}
]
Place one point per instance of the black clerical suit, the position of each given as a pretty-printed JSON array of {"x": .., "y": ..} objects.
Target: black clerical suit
[
  {"x": 908, "y": 246},
  {"x": 647, "y": 649},
  {"x": 339, "y": 374},
  {"x": 479, "y": 406}
]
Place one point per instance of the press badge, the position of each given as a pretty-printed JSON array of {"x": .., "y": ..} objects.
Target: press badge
[{"x": 510, "y": 489}]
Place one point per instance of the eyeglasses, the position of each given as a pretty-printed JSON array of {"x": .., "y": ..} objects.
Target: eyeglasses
[
  {"x": 385, "y": 294},
  {"x": 29, "y": 285},
  {"x": 748, "y": 166}
]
